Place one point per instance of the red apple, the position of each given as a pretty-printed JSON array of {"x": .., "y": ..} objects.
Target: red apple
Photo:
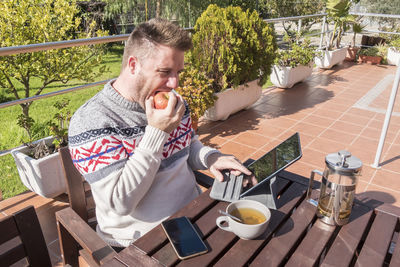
[{"x": 161, "y": 100}]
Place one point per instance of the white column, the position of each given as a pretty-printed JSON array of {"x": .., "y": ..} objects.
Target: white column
[{"x": 385, "y": 126}]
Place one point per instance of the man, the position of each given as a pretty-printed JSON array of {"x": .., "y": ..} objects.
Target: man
[{"x": 138, "y": 159}]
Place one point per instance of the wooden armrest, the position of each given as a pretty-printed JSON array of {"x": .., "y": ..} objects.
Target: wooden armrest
[
  {"x": 73, "y": 230},
  {"x": 203, "y": 179}
]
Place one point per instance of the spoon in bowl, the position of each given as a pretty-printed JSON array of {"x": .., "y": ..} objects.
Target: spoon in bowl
[{"x": 230, "y": 215}]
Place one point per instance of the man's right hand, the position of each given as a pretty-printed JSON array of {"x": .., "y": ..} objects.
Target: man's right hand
[{"x": 166, "y": 119}]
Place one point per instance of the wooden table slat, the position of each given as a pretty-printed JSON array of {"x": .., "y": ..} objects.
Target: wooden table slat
[
  {"x": 395, "y": 261},
  {"x": 205, "y": 225},
  {"x": 312, "y": 245},
  {"x": 390, "y": 209},
  {"x": 378, "y": 240},
  {"x": 153, "y": 239},
  {"x": 345, "y": 244},
  {"x": 207, "y": 222},
  {"x": 243, "y": 250},
  {"x": 280, "y": 185},
  {"x": 166, "y": 255},
  {"x": 132, "y": 256},
  {"x": 218, "y": 241},
  {"x": 275, "y": 252}
]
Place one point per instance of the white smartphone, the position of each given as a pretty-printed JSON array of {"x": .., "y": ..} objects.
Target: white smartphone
[{"x": 184, "y": 238}]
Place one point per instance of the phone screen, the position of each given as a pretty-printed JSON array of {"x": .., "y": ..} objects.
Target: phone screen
[
  {"x": 184, "y": 237},
  {"x": 272, "y": 162}
]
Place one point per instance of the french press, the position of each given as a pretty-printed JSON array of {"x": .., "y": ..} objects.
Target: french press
[{"x": 338, "y": 187}]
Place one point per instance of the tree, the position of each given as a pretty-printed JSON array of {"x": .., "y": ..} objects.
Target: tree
[
  {"x": 24, "y": 22},
  {"x": 384, "y": 7},
  {"x": 189, "y": 11},
  {"x": 291, "y": 8},
  {"x": 184, "y": 11}
]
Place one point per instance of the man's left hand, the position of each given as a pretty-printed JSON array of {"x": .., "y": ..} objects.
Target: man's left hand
[{"x": 218, "y": 162}]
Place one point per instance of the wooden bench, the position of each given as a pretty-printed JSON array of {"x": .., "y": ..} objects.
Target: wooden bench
[
  {"x": 76, "y": 224},
  {"x": 21, "y": 237}
]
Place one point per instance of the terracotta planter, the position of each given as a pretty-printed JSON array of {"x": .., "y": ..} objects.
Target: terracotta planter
[
  {"x": 351, "y": 53},
  {"x": 369, "y": 59},
  {"x": 43, "y": 176},
  {"x": 328, "y": 59},
  {"x": 233, "y": 100},
  {"x": 286, "y": 77}
]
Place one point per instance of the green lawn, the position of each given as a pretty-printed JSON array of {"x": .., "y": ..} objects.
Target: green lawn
[{"x": 41, "y": 111}]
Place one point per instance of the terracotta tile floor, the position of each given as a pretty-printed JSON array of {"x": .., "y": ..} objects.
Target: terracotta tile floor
[{"x": 325, "y": 109}]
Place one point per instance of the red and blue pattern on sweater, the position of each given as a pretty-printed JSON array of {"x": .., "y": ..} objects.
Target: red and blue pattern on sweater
[{"x": 96, "y": 149}]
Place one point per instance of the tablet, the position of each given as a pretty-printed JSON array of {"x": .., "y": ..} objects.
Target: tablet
[{"x": 263, "y": 169}]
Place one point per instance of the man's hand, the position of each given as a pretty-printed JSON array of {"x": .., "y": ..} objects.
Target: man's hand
[
  {"x": 166, "y": 119},
  {"x": 218, "y": 162}
]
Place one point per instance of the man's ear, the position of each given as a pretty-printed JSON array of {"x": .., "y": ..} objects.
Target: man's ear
[{"x": 133, "y": 65}]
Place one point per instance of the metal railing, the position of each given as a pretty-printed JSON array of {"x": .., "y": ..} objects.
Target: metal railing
[
  {"x": 6, "y": 51},
  {"x": 294, "y": 18},
  {"x": 389, "y": 16},
  {"x": 13, "y": 50}
]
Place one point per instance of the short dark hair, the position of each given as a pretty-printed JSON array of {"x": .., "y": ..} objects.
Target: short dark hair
[{"x": 156, "y": 31}]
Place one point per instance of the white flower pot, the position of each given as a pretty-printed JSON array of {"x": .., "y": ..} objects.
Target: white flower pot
[
  {"x": 233, "y": 100},
  {"x": 286, "y": 77},
  {"x": 43, "y": 176},
  {"x": 393, "y": 57},
  {"x": 328, "y": 59}
]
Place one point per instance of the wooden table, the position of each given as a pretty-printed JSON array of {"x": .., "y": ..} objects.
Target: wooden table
[{"x": 295, "y": 237}]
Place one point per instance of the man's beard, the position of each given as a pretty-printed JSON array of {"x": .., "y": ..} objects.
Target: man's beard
[{"x": 140, "y": 89}]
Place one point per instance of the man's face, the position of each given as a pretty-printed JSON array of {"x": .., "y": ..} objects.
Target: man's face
[{"x": 158, "y": 72}]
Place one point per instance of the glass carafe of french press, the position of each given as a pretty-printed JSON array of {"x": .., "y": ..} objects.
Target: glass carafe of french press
[{"x": 338, "y": 187}]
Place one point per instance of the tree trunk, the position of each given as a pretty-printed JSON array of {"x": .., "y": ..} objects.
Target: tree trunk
[
  {"x": 26, "y": 122},
  {"x": 158, "y": 8},
  {"x": 25, "y": 109}
]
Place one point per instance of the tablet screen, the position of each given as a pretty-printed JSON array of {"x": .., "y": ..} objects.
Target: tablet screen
[{"x": 273, "y": 162}]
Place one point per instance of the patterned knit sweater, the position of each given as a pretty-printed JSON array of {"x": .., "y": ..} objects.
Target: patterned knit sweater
[{"x": 139, "y": 175}]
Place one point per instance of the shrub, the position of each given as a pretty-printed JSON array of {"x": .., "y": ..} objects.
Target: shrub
[
  {"x": 395, "y": 44},
  {"x": 373, "y": 51},
  {"x": 297, "y": 54},
  {"x": 232, "y": 47},
  {"x": 196, "y": 89},
  {"x": 57, "y": 127}
]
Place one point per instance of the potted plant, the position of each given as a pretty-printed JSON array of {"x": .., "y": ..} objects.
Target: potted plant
[
  {"x": 38, "y": 163},
  {"x": 197, "y": 91},
  {"x": 353, "y": 49},
  {"x": 235, "y": 49},
  {"x": 293, "y": 65},
  {"x": 393, "y": 53},
  {"x": 370, "y": 55},
  {"x": 338, "y": 12}
]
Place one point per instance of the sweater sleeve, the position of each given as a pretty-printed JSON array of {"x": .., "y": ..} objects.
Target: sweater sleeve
[
  {"x": 124, "y": 187},
  {"x": 199, "y": 154}
]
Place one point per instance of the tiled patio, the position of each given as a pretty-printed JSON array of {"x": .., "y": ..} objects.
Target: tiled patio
[
  {"x": 328, "y": 113},
  {"x": 323, "y": 111}
]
